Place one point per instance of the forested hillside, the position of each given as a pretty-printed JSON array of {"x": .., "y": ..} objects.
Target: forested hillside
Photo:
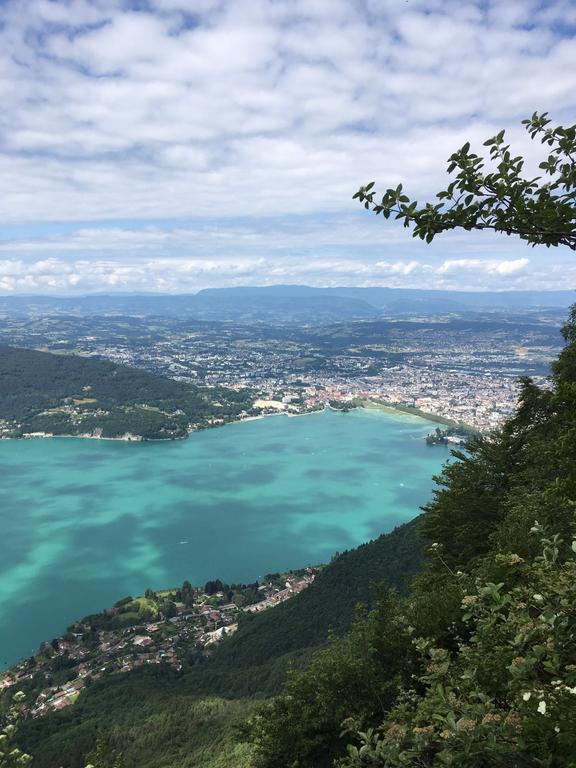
[{"x": 73, "y": 395}]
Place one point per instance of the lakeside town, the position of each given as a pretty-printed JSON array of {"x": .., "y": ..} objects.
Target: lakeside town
[
  {"x": 174, "y": 628},
  {"x": 461, "y": 368},
  {"x": 478, "y": 410},
  {"x": 481, "y": 403}
]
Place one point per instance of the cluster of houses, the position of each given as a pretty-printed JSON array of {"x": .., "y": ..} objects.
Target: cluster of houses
[
  {"x": 293, "y": 587},
  {"x": 165, "y": 640}
]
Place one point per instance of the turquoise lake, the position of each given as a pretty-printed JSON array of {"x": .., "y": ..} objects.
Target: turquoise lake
[{"x": 86, "y": 522}]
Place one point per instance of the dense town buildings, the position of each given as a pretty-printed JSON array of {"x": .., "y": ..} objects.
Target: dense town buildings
[{"x": 461, "y": 367}]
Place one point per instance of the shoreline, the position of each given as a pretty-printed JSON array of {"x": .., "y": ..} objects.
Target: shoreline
[
  {"x": 375, "y": 406},
  {"x": 121, "y": 439}
]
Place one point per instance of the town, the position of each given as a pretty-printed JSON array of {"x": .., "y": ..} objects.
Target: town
[
  {"x": 174, "y": 627},
  {"x": 463, "y": 368}
]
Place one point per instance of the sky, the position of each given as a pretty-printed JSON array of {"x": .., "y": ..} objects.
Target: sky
[{"x": 174, "y": 145}]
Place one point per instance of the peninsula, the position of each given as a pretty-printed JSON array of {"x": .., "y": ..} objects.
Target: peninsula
[{"x": 45, "y": 394}]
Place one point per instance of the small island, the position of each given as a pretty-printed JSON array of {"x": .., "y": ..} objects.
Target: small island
[{"x": 458, "y": 435}]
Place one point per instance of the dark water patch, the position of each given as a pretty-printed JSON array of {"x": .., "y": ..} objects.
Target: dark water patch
[
  {"x": 9, "y": 471},
  {"x": 216, "y": 521},
  {"x": 374, "y": 457},
  {"x": 304, "y": 449},
  {"x": 86, "y": 460},
  {"x": 255, "y": 476},
  {"x": 12, "y": 501},
  {"x": 228, "y": 479},
  {"x": 78, "y": 489},
  {"x": 137, "y": 475},
  {"x": 276, "y": 448},
  {"x": 352, "y": 475},
  {"x": 90, "y": 537},
  {"x": 333, "y": 501}
]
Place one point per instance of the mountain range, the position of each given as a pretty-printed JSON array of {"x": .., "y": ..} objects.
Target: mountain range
[{"x": 291, "y": 303}]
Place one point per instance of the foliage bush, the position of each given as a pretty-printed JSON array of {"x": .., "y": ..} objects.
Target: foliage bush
[
  {"x": 494, "y": 195},
  {"x": 12, "y": 756},
  {"x": 507, "y": 697},
  {"x": 358, "y": 673}
]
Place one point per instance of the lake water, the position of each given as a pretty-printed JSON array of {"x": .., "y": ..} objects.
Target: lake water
[{"x": 86, "y": 522}]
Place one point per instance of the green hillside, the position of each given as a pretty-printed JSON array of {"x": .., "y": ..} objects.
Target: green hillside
[
  {"x": 73, "y": 395},
  {"x": 330, "y": 604}
]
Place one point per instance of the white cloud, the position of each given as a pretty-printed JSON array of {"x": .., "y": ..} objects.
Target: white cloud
[
  {"x": 511, "y": 267},
  {"x": 55, "y": 275},
  {"x": 491, "y": 266},
  {"x": 401, "y": 267},
  {"x": 260, "y": 109},
  {"x": 192, "y": 273}
]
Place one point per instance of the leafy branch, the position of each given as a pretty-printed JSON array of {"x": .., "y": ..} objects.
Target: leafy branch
[{"x": 540, "y": 210}]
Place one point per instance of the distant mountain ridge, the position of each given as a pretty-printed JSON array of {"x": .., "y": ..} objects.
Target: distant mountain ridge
[
  {"x": 291, "y": 303},
  {"x": 379, "y": 296}
]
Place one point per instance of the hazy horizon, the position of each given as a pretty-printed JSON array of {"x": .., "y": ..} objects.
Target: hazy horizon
[{"x": 287, "y": 287}]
